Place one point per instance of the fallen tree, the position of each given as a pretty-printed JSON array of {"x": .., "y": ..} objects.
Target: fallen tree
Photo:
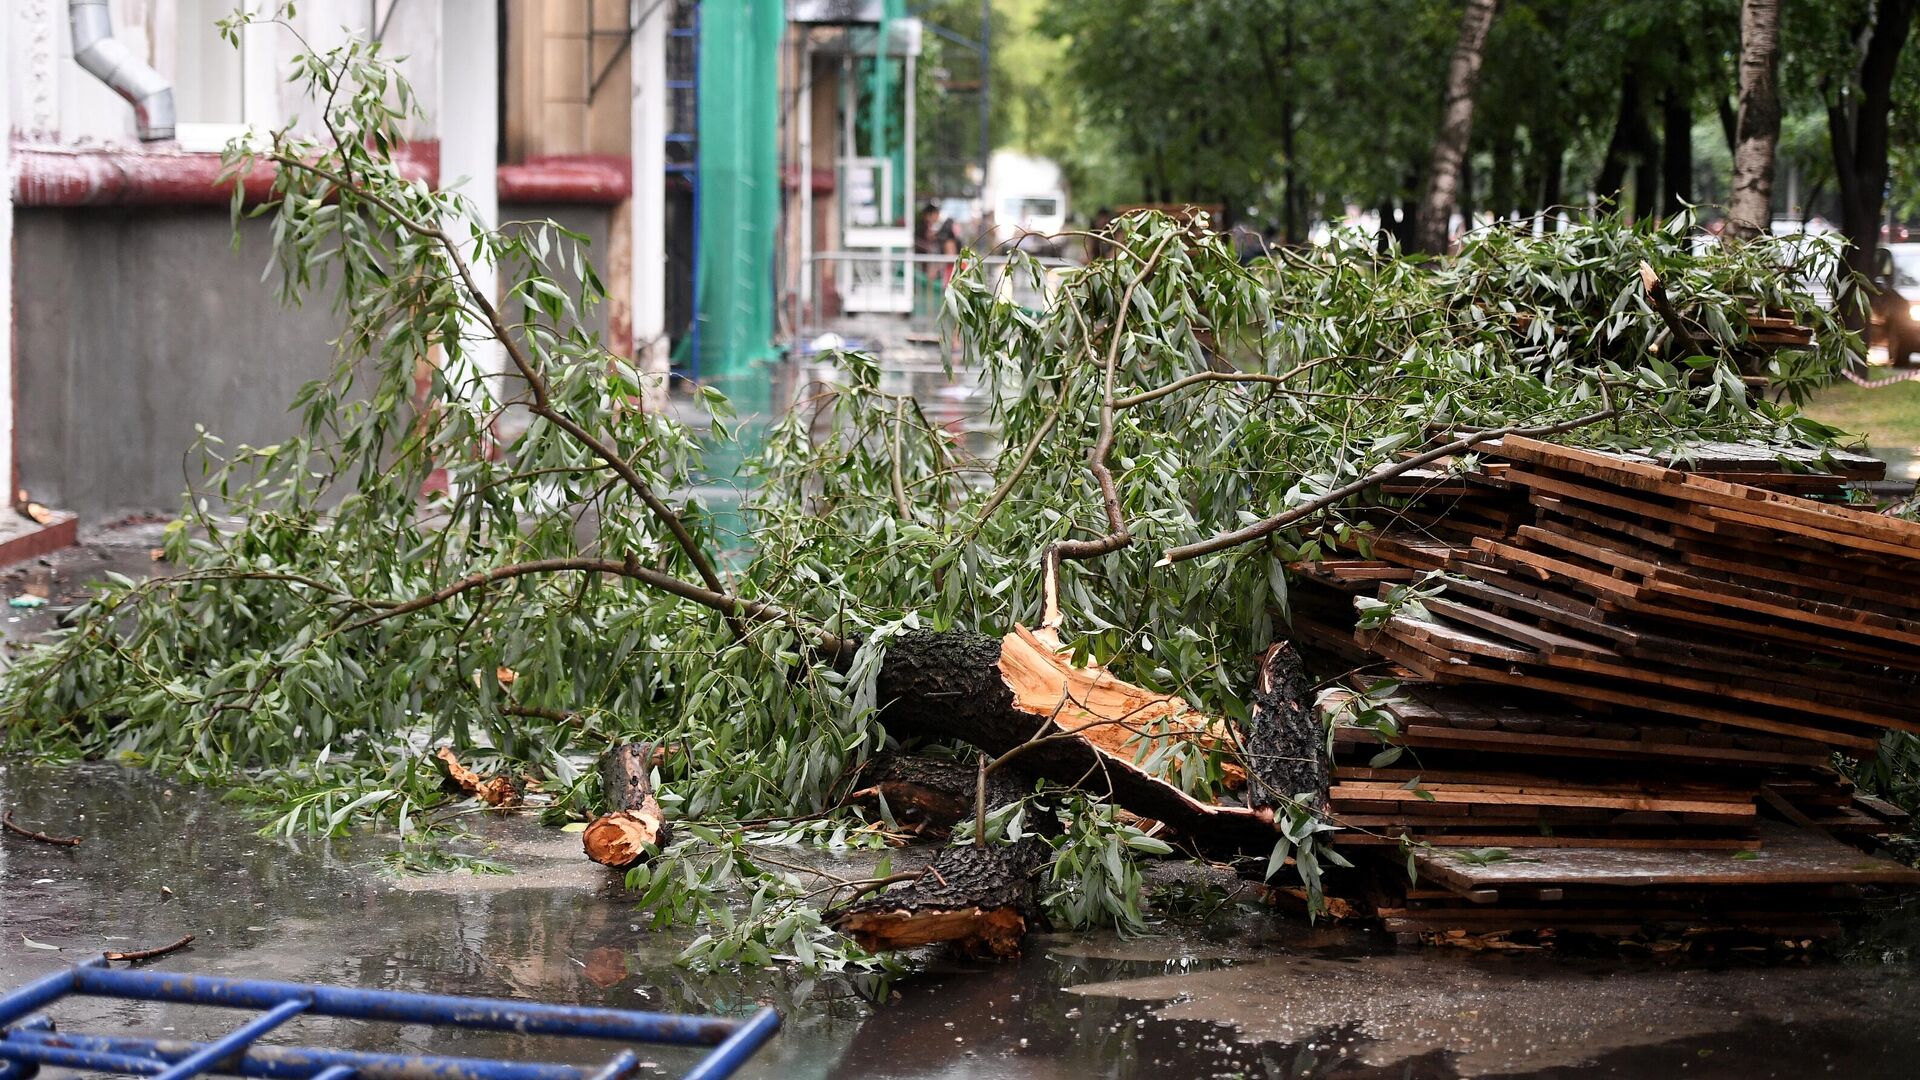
[{"x": 1175, "y": 429}]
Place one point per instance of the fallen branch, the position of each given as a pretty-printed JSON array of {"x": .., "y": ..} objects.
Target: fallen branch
[
  {"x": 1004, "y": 696},
  {"x": 1117, "y": 535},
  {"x": 1685, "y": 345},
  {"x": 1250, "y": 533},
  {"x": 500, "y": 793},
  {"x": 634, "y": 821},
  {"x": 536, "y": 380},
  {"x": 981, "y": 902},
  {"x": 137, "y": 955},
  {"x": 6, "y": 821}
]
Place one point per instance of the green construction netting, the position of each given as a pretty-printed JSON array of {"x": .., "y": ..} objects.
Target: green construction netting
[
  {"x": 883, "y": 125},
  {"x": 739, "y": 193}
]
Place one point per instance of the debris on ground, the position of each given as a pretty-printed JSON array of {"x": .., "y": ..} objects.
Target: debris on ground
[
  {"x": 501, "y": 792},
  {"x": 634, "y": 822},
  {"x": 7, "y": 823},
  {"x": 1621, "y": 684},
  {"x": 134, "y": 956}
]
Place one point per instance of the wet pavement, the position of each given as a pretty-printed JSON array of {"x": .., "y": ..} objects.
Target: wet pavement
[{"x": 1253, "y": 994}]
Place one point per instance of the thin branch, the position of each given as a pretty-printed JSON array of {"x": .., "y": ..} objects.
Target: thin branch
[
  {"x": 6, "y": 822},
  {"x": 1213, "y": 376},
  {"x": 1684, "y": 343},
  {"x": 536, "y": 379},
  {"x": 729, "y": 604},
  {"x": 1117, "y": 535},
  {"x": 1250, "y": 533},
  {"x": 1020, "y": 466},
  {"x": 138, "y": 955},
  {"x": 895, "y": 473}
]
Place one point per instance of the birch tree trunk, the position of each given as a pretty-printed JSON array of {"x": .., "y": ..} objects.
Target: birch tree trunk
[
  {"x": 1456, "y": 126},
  {"x": 1757, "y": 128}
]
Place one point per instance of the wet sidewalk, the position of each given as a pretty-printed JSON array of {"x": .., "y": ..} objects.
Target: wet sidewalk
[{"x": 1252, "y": 995}]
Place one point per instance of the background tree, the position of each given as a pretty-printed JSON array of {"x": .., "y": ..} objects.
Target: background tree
[
  {"x": 1757, "y": 127},
  {"x": 1456, "y": 126},
  {"x": 1860, "y": 105}
]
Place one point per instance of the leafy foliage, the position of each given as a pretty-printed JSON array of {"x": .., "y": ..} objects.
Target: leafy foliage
[{"x": 511, "y": 556}]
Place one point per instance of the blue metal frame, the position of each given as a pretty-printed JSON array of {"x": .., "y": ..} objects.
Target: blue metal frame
[{"x": 28, "y": 1039}]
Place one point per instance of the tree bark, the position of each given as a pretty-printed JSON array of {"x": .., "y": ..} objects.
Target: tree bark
[
  {"x": 979, "y": 900},
  {"x": 1286, "y": 744},
  {"x": 930, "y": 795},
  {"x": 1017, "y": 699},
  {"x": 634, "y": 821},
  {"x": 1757, "y": 128},
  {"x": 1293, "y": 206},
  {"x": 1857, "y": 124},
  {"x": 1456, "y": 126}
]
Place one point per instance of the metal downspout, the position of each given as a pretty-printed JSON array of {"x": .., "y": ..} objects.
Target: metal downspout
[{"x": 103, "y": 56}]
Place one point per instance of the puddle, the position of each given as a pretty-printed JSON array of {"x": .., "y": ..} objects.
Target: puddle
[{"x": 1251, "y": 994}]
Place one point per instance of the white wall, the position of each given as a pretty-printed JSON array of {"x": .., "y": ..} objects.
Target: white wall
[{"x": 52, "y": 101}]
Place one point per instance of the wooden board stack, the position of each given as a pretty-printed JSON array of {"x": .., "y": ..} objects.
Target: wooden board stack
[{"x": 1626, "y": 677}]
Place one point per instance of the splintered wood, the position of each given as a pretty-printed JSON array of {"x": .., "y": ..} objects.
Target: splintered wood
[
  {"x": 1622, "y": 685},
  {"x": 634, "y": 824},
  {"x": 1118, "y": 717}
]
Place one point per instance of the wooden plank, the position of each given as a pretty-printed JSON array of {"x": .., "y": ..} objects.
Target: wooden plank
[
  {"x": 1544, "y": 641},
  {"x": 1446, "y": 794},
  {"x": 1790, "y": 856},
  {"x": 1843, "y": 524},
  {"x": 1612, "y": 695}
]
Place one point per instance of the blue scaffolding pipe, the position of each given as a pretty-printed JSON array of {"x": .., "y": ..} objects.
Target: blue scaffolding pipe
[{"x": 29, "y": 1040}]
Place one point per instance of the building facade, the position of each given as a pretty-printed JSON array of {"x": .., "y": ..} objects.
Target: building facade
[{"x": 131, "y": 315}]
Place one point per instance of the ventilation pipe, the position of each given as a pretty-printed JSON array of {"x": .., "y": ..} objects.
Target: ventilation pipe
[{"x": 104, "y": 57}]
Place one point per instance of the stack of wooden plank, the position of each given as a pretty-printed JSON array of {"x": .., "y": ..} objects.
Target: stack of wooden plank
[{"x": 1628, "y": 675}]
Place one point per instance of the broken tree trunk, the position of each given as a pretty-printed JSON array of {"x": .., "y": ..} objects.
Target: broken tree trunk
[
  {"x": 979, "y": 900},
  {"x": 1021, "y": 699},
  {"x": 1286, "y": 744},
  {"x": 619, "y": 838},
  {"x": 928, "y": 794}
]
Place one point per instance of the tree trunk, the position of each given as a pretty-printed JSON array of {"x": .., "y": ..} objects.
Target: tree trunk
[
  {"x": 930, "y": 795},
  {"x": 620, "y": 837},
  {"x": 1857, "y": 123},
  {"x": 1456, "y": 126},
  {"x": 1757, "y": 133},
  {"x": 1500, "y": 190},
  {"x": 1676, "y": 157},
  {"x": 1622, "y": 145},
  {"x": 1018, "y": 699},
  {"x": 1005, "y": 696},
  {"x": 1466, "y": 192},
  {"x": 1292, "y": 221},
  {"x": 1553, "y": 174}
]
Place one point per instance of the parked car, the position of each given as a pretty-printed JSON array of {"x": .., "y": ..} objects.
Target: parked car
[{"x": 1897, "y": 308}]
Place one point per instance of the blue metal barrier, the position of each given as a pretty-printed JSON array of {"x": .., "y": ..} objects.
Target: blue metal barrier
[{"x": 29, "y": 1040}]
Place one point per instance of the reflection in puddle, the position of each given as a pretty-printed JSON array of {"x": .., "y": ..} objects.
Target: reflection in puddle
[{"x": 1250, "y": 995}]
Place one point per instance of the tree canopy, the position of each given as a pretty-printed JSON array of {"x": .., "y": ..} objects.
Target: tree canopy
[{"x": 1234, "y": 101}]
